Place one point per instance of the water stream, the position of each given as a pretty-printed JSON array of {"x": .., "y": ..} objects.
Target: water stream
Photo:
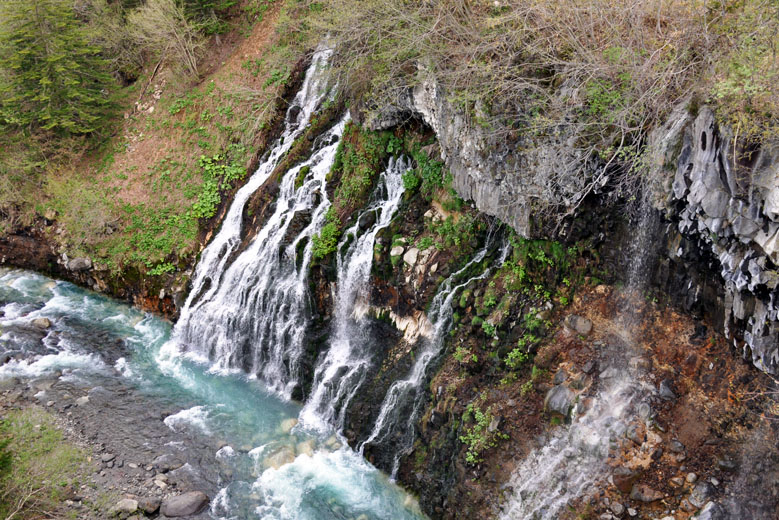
[
  {"x": 267, "y": 469},
  {"x": 404, "y": 400},
  {"x": 552, "y": 477},
  {"x": 341, "y": 373},
  {"x": 251, "y": 314}
]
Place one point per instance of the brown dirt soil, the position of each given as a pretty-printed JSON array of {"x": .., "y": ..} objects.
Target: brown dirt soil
[{"x": 721, "y": 403}]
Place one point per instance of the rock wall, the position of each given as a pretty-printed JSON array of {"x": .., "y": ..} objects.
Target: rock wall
[
  {"x": 506, "y": 176},
  {"x": 722, "y": 202}
]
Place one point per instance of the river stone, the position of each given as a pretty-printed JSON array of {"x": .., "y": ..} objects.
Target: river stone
[
  {"x": 711, "y": 511},
  {"x": 83, "y": 400},
  {"x": 149, "y": 505},
  {"x": 167, "y": 462},
  {"x": 305, "y": 448},
  {"x": 644, "y": 493},
  {"x": 41, "y": 323},
  {"x": 578, "y": 324},
  {"x": 285, "y": 455},
  {"x": 184, "y": 505},
  {"x": 411, "y": 256},
  {"x": 617, "y": 508},
  {"x": 559, "y": 400},
  {"x": 287, "y": 424},
  {"x": 124, "y": 508},
  {"x": 107, "y": 457},
  {"x": 79, "y": 264}
]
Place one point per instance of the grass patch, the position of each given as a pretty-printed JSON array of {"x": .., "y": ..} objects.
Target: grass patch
[{"x": 37, "y": 465}]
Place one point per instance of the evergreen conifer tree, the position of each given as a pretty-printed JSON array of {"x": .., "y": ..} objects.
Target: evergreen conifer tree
[{"x": 52, "y": 76}]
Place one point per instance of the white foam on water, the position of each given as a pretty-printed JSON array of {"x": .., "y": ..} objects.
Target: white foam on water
[
  {"x": 340, "y": 480},
  {"x": 50, "y": 363},
  {"x": 225, "y": 453},
  {"x": 123, "y": 367},
  {"x": 190, "y": 418}
]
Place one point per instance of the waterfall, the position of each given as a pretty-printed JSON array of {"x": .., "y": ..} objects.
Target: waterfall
[
  {"x": 341, "y": 373},
  {"x": 251, "y": 315},
  {"x": 405, "y": 398},
  {"x": 574, "y": 458}
]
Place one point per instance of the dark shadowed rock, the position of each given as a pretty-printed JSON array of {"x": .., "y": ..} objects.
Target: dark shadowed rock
[
  {"x": 184, "y": 505},
  {"x": 666, "y": 390}
]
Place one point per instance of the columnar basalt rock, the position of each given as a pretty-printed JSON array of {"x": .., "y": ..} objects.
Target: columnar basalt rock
[
  {"x": 721, "y": 200},
  {"x": 723, "y": 203},
  {"x": 506, "y": 177}
]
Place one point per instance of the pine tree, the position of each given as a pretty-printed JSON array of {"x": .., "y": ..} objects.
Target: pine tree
[{"x": 53, "y": 77}]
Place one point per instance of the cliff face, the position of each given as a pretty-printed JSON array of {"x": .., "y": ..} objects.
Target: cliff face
[
  {"x": 507, "y": 176},
  {"x": 720, "y": 204}
]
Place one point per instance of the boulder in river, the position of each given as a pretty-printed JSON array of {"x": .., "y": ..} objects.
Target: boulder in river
[
  {"x": 185, "y": 504},
  {"x": 41, "y": 323}
]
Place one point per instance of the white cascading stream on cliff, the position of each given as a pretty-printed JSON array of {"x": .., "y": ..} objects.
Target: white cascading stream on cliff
[
  {"x": 574, "y": 459},
  {"x": 251, "y": 315},
  {"x": 403, "y": 401},
  {"x": 340, "y": 374}
]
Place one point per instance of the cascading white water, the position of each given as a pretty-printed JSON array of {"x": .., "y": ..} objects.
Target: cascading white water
[
  {"x": 549, "y": 478},
  {"x": 574, "y": 458},
  {"x": 251, "y": 314},
  {"x": 340, "y": 374},
  {"x": 402, "y": 402}
]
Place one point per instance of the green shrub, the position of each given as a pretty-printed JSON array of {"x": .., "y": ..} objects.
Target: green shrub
[
  {"x": 477, "y": 437},
  {"x": 411, "y": 181},
  {"x": 326, "y": 241}
]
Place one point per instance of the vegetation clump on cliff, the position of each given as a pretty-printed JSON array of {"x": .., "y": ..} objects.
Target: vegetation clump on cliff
[{"x": 597, "y": 75}]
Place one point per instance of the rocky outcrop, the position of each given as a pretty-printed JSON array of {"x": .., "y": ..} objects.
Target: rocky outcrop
[
  {"x": 509, "y": 177},
  {"x": 722, "y": 199},
  {"x": 720, "y": 195}
]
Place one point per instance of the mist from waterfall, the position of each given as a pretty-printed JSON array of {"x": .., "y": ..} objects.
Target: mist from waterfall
[{"x": 574, "y": 458}]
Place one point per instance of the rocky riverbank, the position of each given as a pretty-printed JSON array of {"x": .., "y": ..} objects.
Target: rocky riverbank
[{"x": 137, "y": 467}]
